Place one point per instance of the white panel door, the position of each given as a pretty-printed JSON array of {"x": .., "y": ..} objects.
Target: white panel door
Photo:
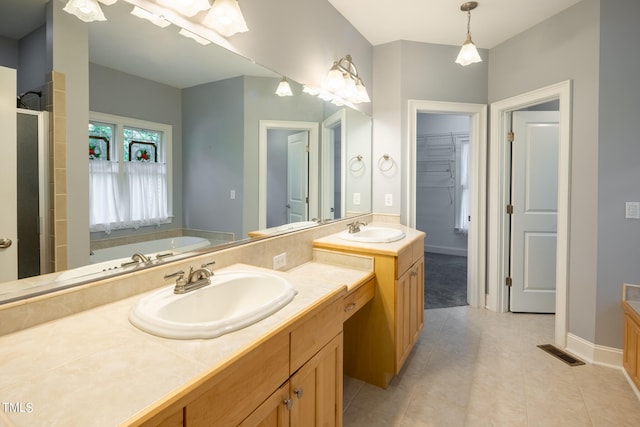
[
  {"x": 297, "y": 177},
  {"x": 8, "y": 190},
  {"x": 535, "y": 204}
]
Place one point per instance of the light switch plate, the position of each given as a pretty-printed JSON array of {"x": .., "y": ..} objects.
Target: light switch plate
[
  {"x": 388, "y": 199},
  {"x": 356, "y": 198}
]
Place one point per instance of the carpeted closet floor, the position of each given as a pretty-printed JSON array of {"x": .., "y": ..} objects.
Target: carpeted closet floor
[{"x": 445, "y": 280}]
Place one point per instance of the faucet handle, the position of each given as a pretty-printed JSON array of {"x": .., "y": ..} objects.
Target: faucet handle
[
  {"x": 179, "y": 274},
  {"x": 207, "y": 264}
]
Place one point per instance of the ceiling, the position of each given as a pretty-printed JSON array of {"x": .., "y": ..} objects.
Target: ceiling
[
  {"x": 430, "y": 21},
  {"x": 442, "y": 21}
]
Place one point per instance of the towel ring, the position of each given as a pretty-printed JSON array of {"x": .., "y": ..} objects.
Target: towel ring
[
  {"x": 356, "y": 164},
  {"x": 384, "y": 160}
]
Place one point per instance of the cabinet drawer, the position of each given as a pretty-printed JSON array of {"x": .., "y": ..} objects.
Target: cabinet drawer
[
  {"x": 314, "y": 332},
  {"x": 357, "y": 298}
]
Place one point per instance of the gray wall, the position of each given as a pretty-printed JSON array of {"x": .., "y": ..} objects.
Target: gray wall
[
  {"x": 9, "y": 53},
  {"x": 32, "y": 68},
  {"x": 618, "y": 167},
  {"x": 260, "y": 104},
  {"x": 561, "y": 48},
  {"x": 115, "y": 92},
  {"x": 406, "y": 70},
  {"x": 212, "y": 117},
  {"x": 435, "y": 213},
  {"x": 301, "y": 39}
]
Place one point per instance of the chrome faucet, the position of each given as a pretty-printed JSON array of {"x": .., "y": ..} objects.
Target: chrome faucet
[
  {"x": 196, "y": 279},
  {"x": 354, "y": 227}
]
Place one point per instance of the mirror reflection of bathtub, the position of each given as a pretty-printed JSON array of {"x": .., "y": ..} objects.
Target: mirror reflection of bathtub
[{"x": 151, "y": 248}]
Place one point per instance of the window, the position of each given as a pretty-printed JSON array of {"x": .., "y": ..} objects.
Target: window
[{"x": 129, "y": 173}]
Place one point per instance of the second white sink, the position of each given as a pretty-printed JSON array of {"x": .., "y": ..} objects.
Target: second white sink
[
  {"x": 370, "y": 234},
  {"x": 233, "y": 300}
]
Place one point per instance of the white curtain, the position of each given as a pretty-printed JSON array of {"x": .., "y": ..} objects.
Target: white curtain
[
  {"x": 127, "y": 198},
  {"x": 462, "y": 202}
]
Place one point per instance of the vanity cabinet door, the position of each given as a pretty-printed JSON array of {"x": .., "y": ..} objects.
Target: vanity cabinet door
[
  {"x": 409, "y": 310},
  {"x": 273, "y": 412},
  {"x": 316, "y": 388}
]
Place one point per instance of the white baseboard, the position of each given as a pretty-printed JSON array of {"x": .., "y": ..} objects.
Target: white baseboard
[
  {"x": 631, "y": 383},
  {"x": 594, "y": 354}
]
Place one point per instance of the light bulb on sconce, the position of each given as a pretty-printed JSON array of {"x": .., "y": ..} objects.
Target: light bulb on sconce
[{"x": 342, "y": 85}]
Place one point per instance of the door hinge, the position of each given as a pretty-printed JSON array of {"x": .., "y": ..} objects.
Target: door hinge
[
  {"x": 509, "y": 209},
  {"x": 508, "y": 282},
  {"x": 307, "y": 199},
  {"x": 306, "y": 148},
  {"x": 510, "y": 136}
]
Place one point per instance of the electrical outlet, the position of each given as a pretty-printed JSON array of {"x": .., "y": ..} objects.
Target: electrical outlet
[
  {"x": 232, "y": 194},
  {"x": 356, "y": 198},
  {"x": 388, "y": 199},
  {"x": 280, "y": 261}
]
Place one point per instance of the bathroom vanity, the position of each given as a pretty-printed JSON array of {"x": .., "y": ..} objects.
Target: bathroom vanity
[
  {"x": 358, "y": 310},
  {"x": 379, "y": 337}
]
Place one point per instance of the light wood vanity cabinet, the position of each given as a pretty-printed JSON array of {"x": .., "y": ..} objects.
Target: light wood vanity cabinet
[
  {"x": 631, "y": 351},
  {"x": 379, "y": 337},
  {"x": 292, "y": 378},
  {"x": 312, "y": 397}
]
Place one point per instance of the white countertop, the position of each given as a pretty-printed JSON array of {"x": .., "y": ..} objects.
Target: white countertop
[{"x": 95, "y": 369}]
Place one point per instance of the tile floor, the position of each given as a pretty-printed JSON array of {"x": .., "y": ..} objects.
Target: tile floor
[{"x": 473, "y": 367}]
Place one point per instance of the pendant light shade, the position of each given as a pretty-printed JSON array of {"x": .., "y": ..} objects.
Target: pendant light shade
[
  {"x": 86, "y": 10},
  {"x": 468, "y": 52},
  {"x": 226, "y": 18},
  {"x": 284, "y": 89}
]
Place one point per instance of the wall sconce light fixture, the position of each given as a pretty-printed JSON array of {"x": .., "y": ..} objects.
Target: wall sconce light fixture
[
  {"x": 226, "y": 18},
  {"x": 284, "y": 89},
  {"x": 468, "y": 53},
  {"x": 342, "y": 85}
]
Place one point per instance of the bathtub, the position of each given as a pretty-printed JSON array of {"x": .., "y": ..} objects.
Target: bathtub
[{"x": 150, "y": 248}]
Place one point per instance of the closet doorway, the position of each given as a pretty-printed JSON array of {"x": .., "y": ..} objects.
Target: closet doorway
[
  {"x": 475, "y": 116},
  {"x": 442, "y": 205}
]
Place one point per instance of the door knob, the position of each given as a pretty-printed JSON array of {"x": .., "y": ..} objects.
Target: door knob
[{"x": 5, "y": 243}]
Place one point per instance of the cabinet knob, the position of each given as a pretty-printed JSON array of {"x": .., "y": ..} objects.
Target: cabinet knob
[
  {"x": 288, "y": 404},
  {"x": 5, "y": 243},
  {"x": 350, "y": 306},
  {"x": 298, "y": 392},
  {"x": 414, "y": 273}
]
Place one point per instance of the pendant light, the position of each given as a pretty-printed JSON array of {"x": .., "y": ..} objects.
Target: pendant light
[
  {"x": 226, "y": 18},
  {"x": 86, "y": 10},
  {"x": 284, "y": 89},
  {"x": 468, "y": 53}
]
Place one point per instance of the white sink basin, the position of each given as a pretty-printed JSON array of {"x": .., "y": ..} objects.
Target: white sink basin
[
  {"x": 233, "y": 300},
  {"x": 373, "y": 235}
]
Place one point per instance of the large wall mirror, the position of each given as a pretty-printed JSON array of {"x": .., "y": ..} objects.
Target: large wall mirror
[{"x": 229, "y": 144}]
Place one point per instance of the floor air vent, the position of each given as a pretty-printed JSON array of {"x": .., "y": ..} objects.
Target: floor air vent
[{"x": 565, "y": 357}]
